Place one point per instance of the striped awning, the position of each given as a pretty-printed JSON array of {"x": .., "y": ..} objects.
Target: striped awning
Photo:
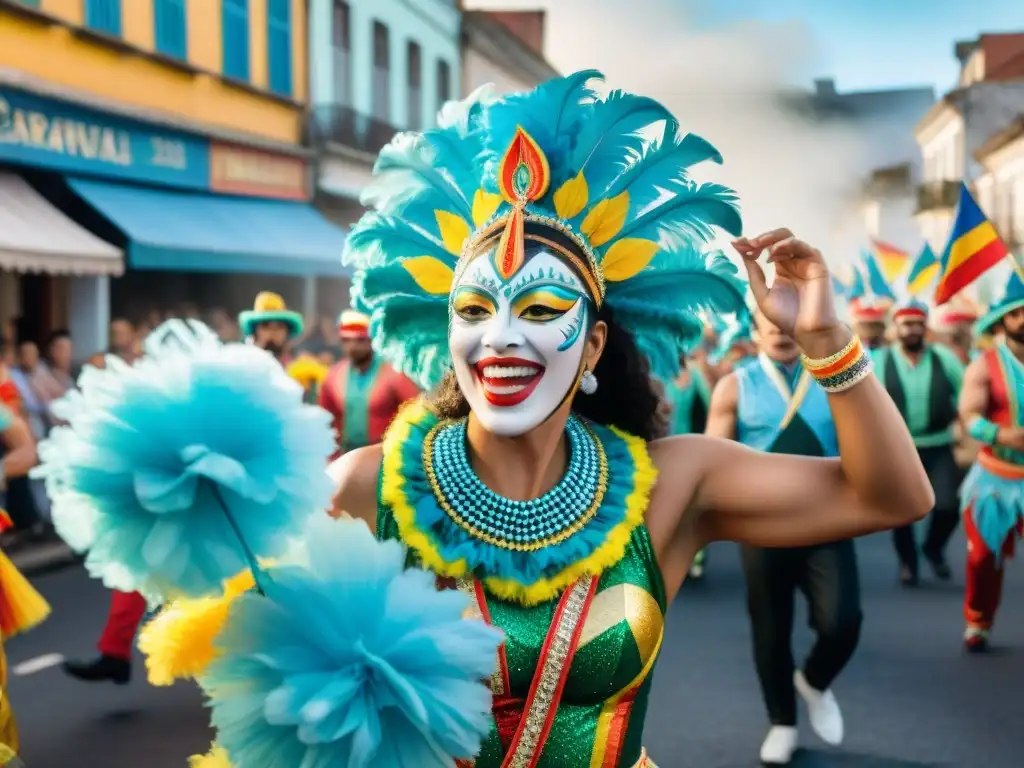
[{"x": 37, "y": 237}]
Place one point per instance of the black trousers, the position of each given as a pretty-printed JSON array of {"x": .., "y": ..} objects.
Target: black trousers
[
  {"x": 945, "y": 477},
  {"x": 827, "y": 576}
]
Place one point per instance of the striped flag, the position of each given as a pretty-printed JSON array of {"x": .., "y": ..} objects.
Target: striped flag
[
  {"x": 924, "y": 270},
  {"x": 974, "y": 247},
  {"x": 893, "y": 261}
]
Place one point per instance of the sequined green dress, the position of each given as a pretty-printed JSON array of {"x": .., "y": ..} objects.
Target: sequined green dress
[{"x": 599, "y": 719}]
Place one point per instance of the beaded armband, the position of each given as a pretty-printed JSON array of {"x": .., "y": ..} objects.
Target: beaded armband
[
  {"x": 846, "y": 368},
  {"x": 983, "y": 430}
]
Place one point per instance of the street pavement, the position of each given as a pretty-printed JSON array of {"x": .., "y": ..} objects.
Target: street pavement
[{"x": 910, "y": 697}]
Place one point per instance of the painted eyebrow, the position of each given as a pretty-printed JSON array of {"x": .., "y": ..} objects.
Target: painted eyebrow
[
  {"x": 477, "y": 288},
  {"x": 551, "y": 286}
]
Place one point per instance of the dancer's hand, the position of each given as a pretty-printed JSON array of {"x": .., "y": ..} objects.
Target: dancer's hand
[
  {"x": 800, "y": 300},
  {"x": 1011, "y": 437}
]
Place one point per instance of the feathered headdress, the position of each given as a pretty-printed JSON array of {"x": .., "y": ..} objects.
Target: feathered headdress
[{"x": 560, "y": 166}]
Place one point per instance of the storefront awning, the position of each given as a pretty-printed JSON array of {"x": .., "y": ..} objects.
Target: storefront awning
[
  {"x": 36, "y": 237},
  {"x": 187, "y": 232}
]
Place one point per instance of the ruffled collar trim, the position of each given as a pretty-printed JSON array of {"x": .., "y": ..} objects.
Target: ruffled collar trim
[{"x": 528, "y": 578}]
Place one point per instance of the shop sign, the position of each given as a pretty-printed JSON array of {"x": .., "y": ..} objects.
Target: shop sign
[
  {"x": 238, "y": 170},
  {"x": 70, "y": 139}
]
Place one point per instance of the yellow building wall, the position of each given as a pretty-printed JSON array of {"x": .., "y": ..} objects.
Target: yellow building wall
[{"x": 54, "y": 53}]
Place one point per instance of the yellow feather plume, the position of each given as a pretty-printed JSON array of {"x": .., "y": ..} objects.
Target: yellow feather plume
[
  {"x": 217, "y": 757},
  {"x": 454, "y": 231},
  {"x": 307, "y": 370},
  {"x": 485, "y": 205},
  {"x": 433, "y": 276},
  {"x": 571, "y": 198},
  {"x": 606, "y": 219},
  {"x": 627, "y": 257},
  {"x": 179, "y": 642}
]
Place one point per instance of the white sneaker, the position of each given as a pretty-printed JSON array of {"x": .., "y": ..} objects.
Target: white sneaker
[
  {"x": 822, "y": 709},
  {"x": 779, "y": 745}
]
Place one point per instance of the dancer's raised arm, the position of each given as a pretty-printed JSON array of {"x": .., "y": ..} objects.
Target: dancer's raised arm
[{"x": 779, "y": 500}]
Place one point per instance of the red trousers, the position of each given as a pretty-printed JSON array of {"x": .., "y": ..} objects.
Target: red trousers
[
  {"x": 984, "y": 574},
  {"x": 126, "y": 612}
]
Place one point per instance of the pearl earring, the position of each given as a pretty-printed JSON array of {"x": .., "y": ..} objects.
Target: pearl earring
[{"x": 588, "y": 383}]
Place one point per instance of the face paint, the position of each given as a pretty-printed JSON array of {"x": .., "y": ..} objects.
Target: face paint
[{"x": 517, "y": 346}]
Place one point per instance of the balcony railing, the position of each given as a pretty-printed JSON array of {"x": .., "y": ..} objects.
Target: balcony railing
[
  {"x": 938, "y": 195},
  {"x": 342, "y": 125}
]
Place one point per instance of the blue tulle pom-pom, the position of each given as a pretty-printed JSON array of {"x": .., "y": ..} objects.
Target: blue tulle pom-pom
[
  {"x": 350, "y": 662},
  {"x": 168, "y": 465}
]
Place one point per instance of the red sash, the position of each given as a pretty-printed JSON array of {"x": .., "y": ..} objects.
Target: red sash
[{"x": 523, "y": 725}]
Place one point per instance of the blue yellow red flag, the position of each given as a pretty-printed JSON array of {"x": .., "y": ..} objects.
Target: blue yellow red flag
[
  {"x": 892, "y": 260},
  {"x": 924, "y": 270},
  {"x": 974, "y": 247}
]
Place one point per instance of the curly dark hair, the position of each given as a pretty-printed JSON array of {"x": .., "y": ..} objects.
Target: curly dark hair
[{"x": 626, "y": 397}]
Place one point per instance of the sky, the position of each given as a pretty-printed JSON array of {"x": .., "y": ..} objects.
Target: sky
[{"x": 863, "y": 44}]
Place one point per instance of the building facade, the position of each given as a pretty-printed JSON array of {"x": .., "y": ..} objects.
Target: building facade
[
  {"x": 988, "y": 98},
  {"x": 376, "y": 67},
  {"x": 1000, "y": 186},
  {"x": 504, "y": 49},
  {"x": 166, "y": 134}
]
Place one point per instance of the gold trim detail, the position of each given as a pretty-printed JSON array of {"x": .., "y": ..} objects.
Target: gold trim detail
[
  {"x": 556, "y": 538},
  {"x": 467, "y": 585},
  {"x": 550, "y": 675}
]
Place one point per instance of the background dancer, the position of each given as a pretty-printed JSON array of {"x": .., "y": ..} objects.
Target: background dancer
[
  {"x": 270, "y": 326},
  {"x": 362, "y": 392},
  {"x": 924, "y": 381},
  {"x": 689, "y": 398},
  {"x": 869, "y": 315},
  {"x": 773, "y": 404},
  {"x": 993, "y": 493}
]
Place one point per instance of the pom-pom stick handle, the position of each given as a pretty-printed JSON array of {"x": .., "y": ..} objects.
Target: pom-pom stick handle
[{"x": 257, "y": 573}]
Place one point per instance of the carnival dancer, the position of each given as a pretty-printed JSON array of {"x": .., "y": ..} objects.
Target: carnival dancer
[
  {"x": 924, "y": 381},
  {"x": 992, "y": 496},
  {"x": 269, "y": 326},
  {"x": 362, "y": 392},
  {"x": 774, "y": 404},
  {"x": 870, "y": 316},
  {"x": 21, "y": 607},
  {"x": 953, "y": 326},
  {"x": 537, "y": 261}
]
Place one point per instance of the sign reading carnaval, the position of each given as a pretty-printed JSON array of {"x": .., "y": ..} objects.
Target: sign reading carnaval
[
  {"x": 243, "y": 171},
  {"x": 72, "y": 139}
]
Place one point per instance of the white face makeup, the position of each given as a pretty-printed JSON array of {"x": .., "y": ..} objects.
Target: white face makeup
[{"x": 517, "y": 346}]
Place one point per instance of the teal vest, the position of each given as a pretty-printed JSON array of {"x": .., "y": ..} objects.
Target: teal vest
[{"x": 762, "y": 406}]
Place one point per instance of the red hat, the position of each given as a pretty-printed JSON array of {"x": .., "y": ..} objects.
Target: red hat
[
  {"x": 869, "y": 310},
  {"x": 911, "y": 310},
  {"x": 353, "y": 325},
  {"x": 957, "y": 312}
]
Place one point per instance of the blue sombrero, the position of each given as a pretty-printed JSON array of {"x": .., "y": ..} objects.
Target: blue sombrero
[
  {"x": 269, "y": 308},
  {"x": 1013, "y": 298}
]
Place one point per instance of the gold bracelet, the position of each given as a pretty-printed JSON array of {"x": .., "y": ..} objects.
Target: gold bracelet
[
  {"x": 851, "y": 365},
  {"x": 815, "y": 364}
]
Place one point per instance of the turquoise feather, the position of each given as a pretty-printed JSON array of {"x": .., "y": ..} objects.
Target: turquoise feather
[
  {"x": 690, "y": 213},
  {"x": 611, "y": 134},
  {"x": 417, "y": 160},
  {"x": 659, "y": 166},
  {"x": 377, "y": 238}
]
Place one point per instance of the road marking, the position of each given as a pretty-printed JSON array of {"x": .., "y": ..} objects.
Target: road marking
[{"x": 38, "y": 664}]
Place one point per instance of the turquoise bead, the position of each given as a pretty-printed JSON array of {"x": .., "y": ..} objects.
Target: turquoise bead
[{"x": 508, "y": 520}]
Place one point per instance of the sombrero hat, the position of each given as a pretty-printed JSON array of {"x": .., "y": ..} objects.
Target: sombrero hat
[
  {"x": 269, "y": 308},
  {"x": 1013, "y": 298}
]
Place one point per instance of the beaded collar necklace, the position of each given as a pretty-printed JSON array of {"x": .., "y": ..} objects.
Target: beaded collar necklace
[{"x": 523, "y": 526}]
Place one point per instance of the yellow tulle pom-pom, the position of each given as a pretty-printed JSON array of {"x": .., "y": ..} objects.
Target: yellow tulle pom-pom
[
  {"x": 215, "y": 758},
  {"x": 179, "y": 642},
  {"x": 308, "y": 371}
]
